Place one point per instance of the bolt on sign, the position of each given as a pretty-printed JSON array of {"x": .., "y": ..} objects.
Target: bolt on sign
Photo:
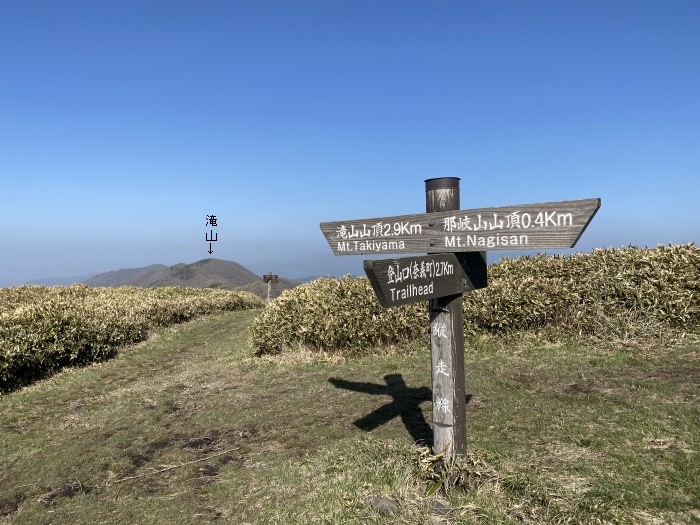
[{"x": 456, "y": 242}]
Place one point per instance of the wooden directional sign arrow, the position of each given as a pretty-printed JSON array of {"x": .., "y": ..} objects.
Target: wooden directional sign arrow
[
  {"x": 529, "y": 226},
  {"x": 413, "y": 279}
]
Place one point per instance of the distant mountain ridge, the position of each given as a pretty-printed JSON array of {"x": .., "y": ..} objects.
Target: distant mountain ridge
[
  {"x": 207, "y": 273},
  {"x": 130, "y": 276},
  {"x": 59, "y": 281}
]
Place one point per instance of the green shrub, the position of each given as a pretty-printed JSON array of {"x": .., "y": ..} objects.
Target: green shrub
[
  {"x": 43, "y": 329},
  {"x": 605, "y": 293},
  {"x": 585, "y": 294},
  {"x": 332, "y": 313}
]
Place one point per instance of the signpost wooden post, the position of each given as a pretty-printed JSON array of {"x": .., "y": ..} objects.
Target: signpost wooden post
[
  {"x": 456, "y": 242},
  {"x": 447, "y": 345}
]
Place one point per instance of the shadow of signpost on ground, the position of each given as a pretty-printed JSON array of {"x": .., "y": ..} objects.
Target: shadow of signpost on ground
[{"x": 405, "y": 404}]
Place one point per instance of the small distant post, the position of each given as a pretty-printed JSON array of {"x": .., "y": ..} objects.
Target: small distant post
[{"x": 270, "y": 279}]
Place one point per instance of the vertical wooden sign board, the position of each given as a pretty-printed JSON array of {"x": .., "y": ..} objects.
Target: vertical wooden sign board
[{"x": 447, "y": 345}]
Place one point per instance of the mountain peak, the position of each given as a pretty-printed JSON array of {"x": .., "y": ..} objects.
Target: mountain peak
[{"x": 207, "y": 273}]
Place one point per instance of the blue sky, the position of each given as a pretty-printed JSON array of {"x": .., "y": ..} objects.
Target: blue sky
[{"x": 124, "y": 123}]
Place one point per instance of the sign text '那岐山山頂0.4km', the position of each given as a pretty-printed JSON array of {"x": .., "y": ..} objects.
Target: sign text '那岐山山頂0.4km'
[
  {"x": 412, "y": 279},
  {"x": 528, "y": 226}
]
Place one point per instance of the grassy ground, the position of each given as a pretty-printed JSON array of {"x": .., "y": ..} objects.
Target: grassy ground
[{"x": 188, "y": 427}]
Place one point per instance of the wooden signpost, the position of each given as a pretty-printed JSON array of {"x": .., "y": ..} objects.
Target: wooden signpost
[
  {"x": 270, "y": 279},
  {"x": 456, "y": 242}
]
